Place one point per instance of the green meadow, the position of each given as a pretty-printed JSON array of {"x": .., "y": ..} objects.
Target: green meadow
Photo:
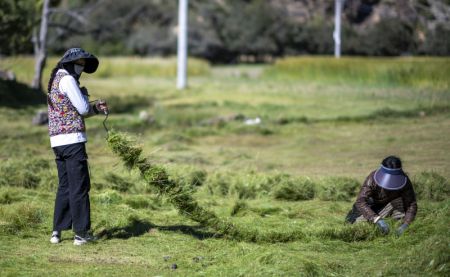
[{"x": 278, "y": 152}]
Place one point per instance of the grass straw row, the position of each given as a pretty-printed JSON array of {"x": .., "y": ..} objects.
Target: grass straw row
[{"x": 181, "y": 197}]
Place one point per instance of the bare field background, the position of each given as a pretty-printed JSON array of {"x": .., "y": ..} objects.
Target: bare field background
[{"x": 325, "y": 125}]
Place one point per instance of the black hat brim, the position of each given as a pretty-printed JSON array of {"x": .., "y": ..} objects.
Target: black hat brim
[{"x": 77, "y": 53}]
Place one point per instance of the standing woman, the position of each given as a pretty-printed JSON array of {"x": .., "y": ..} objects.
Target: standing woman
[{"x": 68, "y": 105}]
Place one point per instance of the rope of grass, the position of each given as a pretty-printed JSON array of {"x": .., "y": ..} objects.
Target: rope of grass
[{"x": 181, "y": 197}]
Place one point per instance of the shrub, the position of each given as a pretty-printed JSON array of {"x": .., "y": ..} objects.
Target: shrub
[
  {"x": 338, "y": 189},
  {"x": 295, "y": 190},
  {"x": 431, "y": 186}
]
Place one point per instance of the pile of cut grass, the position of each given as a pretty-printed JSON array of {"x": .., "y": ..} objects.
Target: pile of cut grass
[
  {"x": 429, "y": 185},
  {"x": 20, "y": 217},
  {"x": 31, "y": 173}
]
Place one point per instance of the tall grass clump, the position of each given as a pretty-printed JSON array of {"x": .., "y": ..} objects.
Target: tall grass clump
[
  {"x": 181, "y": 196},
  {"x": 154, "y": 67},
  {"x": 430, "y": 185},
  {"x": 26, "y": 174},
  {"x": 23, "y": 67},
  {"x": 8, "y": 197},
  {"x": 17, "y": 218},
  {"x": 411, "y": 72},
  {"x": 296, "y": 189},
  {"x": 218, "y": 184},
  {"x": 247, "y": 185},
  {"x": 188, "y": 176},
  {"x": 338, "y": 188}
]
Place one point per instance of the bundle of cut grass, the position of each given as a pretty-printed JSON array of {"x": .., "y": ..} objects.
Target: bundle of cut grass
[
  {"x": 348, "y": 233},
  {"x": 295, "y": 190},
  {"x": 338, "y": 189},
  {"x": 181, "y": 196},
  {"x": 431, "y": 186}
]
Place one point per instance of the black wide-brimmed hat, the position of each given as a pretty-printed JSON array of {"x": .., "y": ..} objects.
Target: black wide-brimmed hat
[
  {"x": 390, "y": 178},
  {"x": 74, "y": 54}
]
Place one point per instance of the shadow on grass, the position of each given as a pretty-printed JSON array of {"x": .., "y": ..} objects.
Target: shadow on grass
[
  {"x": 18, "y": 95},
  {"x": 381, "y": 114},
  {"x": 127, "y": 104},
  {"x": 139, "y": 227}
]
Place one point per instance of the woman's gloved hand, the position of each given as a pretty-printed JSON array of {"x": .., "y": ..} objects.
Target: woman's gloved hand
[
  {"x": 101, "y": 106},
  {"x": 401, "y": 229},
  {"x": 383, "y": 226}
]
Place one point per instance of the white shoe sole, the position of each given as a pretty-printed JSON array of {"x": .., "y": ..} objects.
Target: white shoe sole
[
  {"x": 55, "y": 240},
  {"x": 79, "y": 242}
]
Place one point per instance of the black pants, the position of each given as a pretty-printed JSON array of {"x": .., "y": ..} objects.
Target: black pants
[{"x": 72, "y": 207}]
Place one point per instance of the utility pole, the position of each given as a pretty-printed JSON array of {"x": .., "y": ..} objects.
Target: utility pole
[
  {"x": 337, "y": 27},
  {"x": 182, "y": 44}
]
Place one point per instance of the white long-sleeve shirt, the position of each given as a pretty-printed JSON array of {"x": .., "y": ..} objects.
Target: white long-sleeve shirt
[{"x": 69, "y": 87}]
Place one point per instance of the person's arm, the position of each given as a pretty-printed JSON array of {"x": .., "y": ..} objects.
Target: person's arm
[
  {"x": 362, "y": 200},
  {"x": 69, "y": 86},
  {"x": 410, "y": 203}
]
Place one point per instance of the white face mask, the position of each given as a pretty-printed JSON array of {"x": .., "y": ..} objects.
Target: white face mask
[{"x": 78, "y": 69}]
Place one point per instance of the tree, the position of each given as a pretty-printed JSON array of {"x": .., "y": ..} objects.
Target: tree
[
  {"x": 16, "y": 25},
  {"x": 40, "y": 46}
]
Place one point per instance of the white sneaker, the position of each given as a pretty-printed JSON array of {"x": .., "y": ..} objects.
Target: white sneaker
[
  {"x": 56, "y": 237},
  {"x": 80, "y": 240}
]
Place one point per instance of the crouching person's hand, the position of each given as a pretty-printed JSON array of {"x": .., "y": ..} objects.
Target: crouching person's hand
[
  {"x": 383, "y": 226},
  {"x": 401, "y": 229}
]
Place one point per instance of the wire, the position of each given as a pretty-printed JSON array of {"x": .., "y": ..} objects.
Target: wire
[{"x": 104, "y": 124}]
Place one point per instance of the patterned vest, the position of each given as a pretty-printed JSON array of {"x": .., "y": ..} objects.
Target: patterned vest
[{"x": 63, "y": 117}]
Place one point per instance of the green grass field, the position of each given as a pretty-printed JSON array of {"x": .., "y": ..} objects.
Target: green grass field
[{"x": 325, "y": 125}]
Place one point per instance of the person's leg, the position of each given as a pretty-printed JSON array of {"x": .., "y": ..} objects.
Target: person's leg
[
  {"x": 354, "y": 215},
  {"x": 79, "y": 184},
  {"x": 62, "y": 218}
]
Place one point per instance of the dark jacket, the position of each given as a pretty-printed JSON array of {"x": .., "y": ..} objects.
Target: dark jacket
[{"x": 381, "y": 197}]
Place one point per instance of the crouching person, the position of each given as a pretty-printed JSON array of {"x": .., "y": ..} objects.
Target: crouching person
[{"x": 386, "y": 192}]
